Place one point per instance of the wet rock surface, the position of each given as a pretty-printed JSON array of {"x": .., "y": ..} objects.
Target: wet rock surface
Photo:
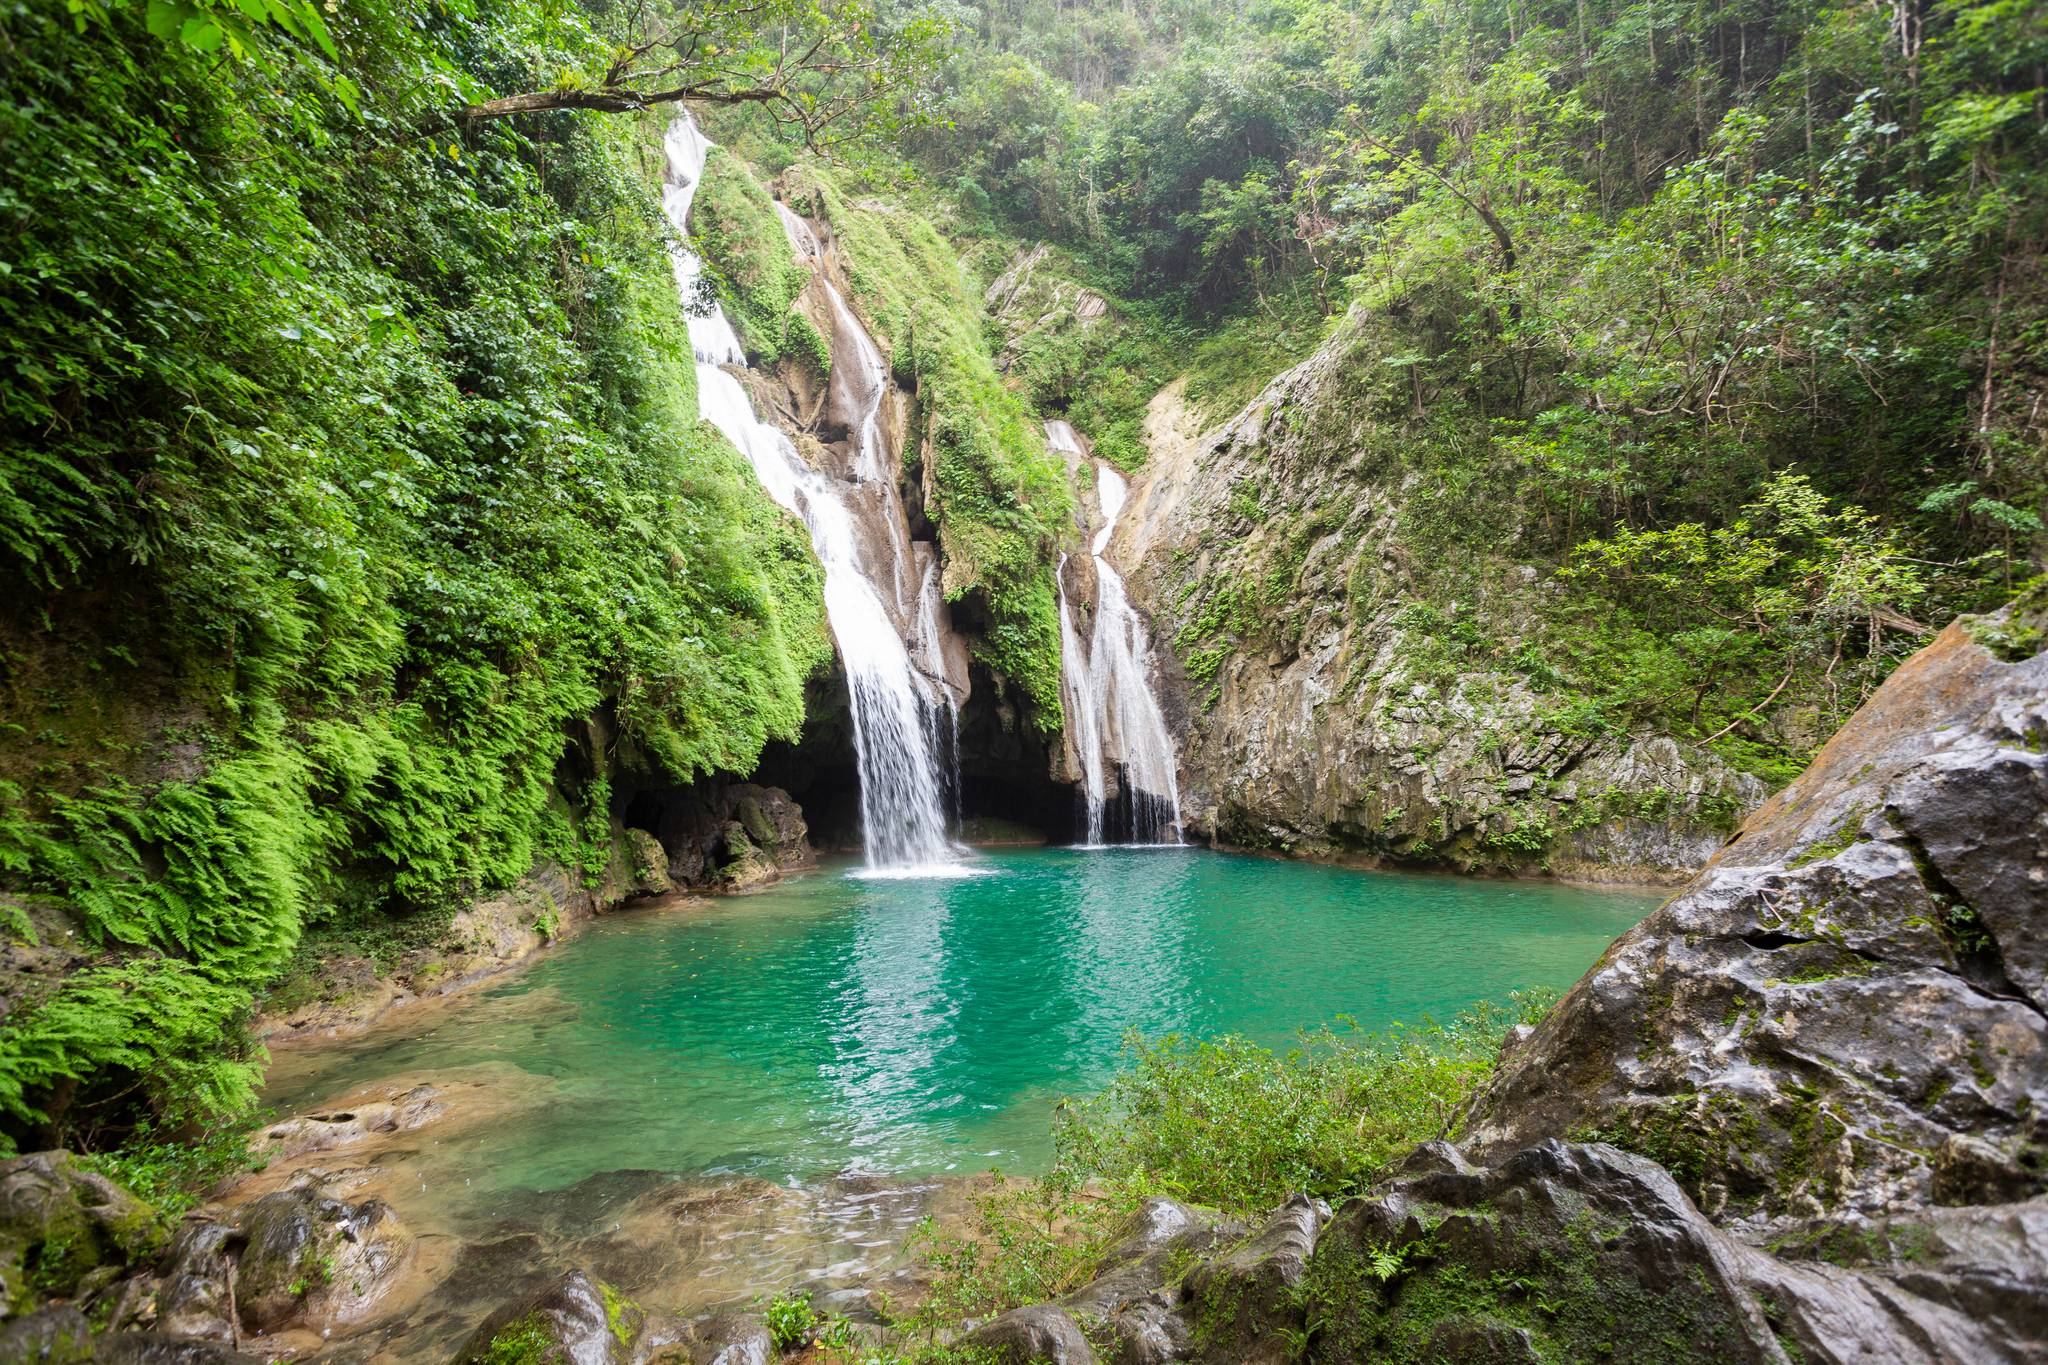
[
  {"x": 575, "y": 1320},
  {"x": 312, "y": 1259},
  {"x": 726, "y": 1339}
]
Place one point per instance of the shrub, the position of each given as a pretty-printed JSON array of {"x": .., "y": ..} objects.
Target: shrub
[{"x": 1236, "y": 1125}]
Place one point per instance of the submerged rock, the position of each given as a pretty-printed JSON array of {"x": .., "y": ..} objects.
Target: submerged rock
[{"x": 728, "y": 1339}]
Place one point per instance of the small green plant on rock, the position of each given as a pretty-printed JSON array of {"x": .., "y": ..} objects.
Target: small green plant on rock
[{"x": 792, "y": 1321}]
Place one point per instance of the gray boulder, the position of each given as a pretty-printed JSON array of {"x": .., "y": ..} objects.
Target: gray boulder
[
  {"x": 1036, "y": 1332},
  {"x": 1843, "y": 1016},
  {"x": 314, "y": 1259}
]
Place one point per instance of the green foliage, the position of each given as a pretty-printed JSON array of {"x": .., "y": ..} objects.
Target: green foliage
[
  {"x": 1812, "y": 256},
  {"x": 1227, "y": 1124},
  {"x": 1235, "y": 1125},
  {"x": 371, "y": 459},
  {"x": 155, "y": 1021},
  {"x": 735, "y": 227},
  {"x": 525, "y": 1342},
  {"x": 792, "y": 1321},
  {"x": 172, "y": 1168},
  {"x": 1030, "y": 1241}
]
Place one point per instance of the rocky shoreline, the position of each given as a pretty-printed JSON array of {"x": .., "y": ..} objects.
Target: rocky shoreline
[{"x": 741, "y": 838}]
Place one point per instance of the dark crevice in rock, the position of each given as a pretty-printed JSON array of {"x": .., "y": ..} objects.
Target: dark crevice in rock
[
  {"x": 1769, "y": 940},
  {"x": 1976, "y": 948}
]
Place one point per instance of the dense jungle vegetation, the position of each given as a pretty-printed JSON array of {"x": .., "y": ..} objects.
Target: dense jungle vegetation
[
  {"x": 1733, "y": 313},
  {"x": 348, "y": 451},
  {"x": 351, "y": 464}
]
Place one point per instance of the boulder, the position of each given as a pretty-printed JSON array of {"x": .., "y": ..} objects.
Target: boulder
[
  {"x": 315, "y": 1260},
  {"x": 576, "y": 1320},
  {"x": 195, "y": 1297},
  {"x": 647, "y": 863},
  {"x": 57, "y": 1335},
  {"x": 1036, "y": 1332},
  {"x": 59, "y": 1222},
  {"x": 1243, "y": 1301},
  {"x": 1843, "y": 1016}
]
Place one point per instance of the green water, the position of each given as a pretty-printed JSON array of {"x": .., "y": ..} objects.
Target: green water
[{"x": 912, "y": 1027}]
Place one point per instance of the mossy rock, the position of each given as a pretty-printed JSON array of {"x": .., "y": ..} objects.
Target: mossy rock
[
  {"x": 577, "y": 1318},
  {"x": 1561, "y": 1253},
  {"x": 60, "y": 1221},
  {"x": 756, "y": 822}
]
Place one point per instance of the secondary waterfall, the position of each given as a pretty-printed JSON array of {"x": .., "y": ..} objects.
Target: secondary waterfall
[
  {"x": 895, "y": 701},
  {"x": 1113, "y": 717}
]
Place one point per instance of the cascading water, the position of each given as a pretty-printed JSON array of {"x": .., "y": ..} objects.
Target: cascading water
[
  {"x": 903, "y": 803},
  {"x": 865, "y": 385},
  {"x": 1115, "y": 719}
]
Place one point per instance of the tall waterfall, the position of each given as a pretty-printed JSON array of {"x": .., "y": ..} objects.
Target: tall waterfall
[
  {"x": 1114, "y": 719},
  {"x": 895, "y": 700}
]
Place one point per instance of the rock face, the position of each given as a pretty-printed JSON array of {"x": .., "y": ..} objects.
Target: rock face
[
  {"x": 730, "y": 837},
  {"x": 1844, "y": 1015},
  {"x": 1331, "y": 701}
]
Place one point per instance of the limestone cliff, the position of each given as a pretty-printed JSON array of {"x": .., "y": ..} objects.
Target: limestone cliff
[{"x": 1333, "y": 700}]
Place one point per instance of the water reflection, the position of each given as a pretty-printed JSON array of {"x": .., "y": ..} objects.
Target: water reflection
[
  {"x": 895, "y": 1020},
  {"x": 928, "y": 1026}
]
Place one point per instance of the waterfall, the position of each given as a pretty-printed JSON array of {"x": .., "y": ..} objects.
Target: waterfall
[
  {"x": 1112, "y": 716},
  {"x": 903, "y": 799}
]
